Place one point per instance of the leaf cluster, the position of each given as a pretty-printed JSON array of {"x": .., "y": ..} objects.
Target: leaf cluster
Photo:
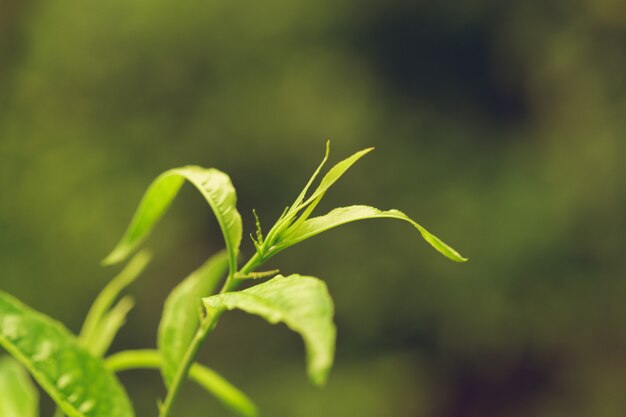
[{"x": 74, "y": 369}]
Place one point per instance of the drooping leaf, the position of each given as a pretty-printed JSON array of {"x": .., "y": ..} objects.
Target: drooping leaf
[
  {"x": 78, "y": 382},
  {"x": 182, "y": 309},
  {"x": 301, "y": 302},
  {"x": 229, "y": 395},
  {"x": 344, "y": 215},
  {"x": 99, "y": 311},
  {"x": 213, "y": 184},
  {"x": 18, "y": 396}
]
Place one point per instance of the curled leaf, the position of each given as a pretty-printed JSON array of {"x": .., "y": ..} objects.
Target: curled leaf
[
  {"x": 215, "y": 187},
  {"x": 301, "y": 302}
]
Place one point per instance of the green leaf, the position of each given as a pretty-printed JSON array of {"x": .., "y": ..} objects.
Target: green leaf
[
  {"x": 300, "y": 198},
  {"x": 99, "y": 316},
  {"x": 213, "y": 184},
  {"x": 182, "y": 310},
  {"x": 286, "y": 222},
  {"x": 344, "y": 215},
  {"x": 333, "y": 175},
  {"x": 301, "y": 302},
  {"x": 110, "y": 324},
  {"x": 229, "y": 395},
  {"x": 18, "y": 396},
  {"x": 78, "y": 382}
]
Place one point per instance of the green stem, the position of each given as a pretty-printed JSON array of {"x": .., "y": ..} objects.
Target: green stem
[
  {"x": 229, "y": 395},
  {"x": 205, "y": 328},
  {"x": 190, "y": 356},
  {"x": 254, "y": 262},
  {"x": 134, "y": 359}
]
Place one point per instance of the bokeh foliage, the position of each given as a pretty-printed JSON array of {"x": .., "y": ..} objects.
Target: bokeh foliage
[{"x": 499, "y": 125}]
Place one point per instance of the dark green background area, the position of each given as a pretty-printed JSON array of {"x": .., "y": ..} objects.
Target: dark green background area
[{"x": 499, "y": 125}]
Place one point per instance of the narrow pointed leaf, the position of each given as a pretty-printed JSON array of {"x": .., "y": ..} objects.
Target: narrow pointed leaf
[
  {"x": 182, "y": 309},
  {"x": 213, "y": 184},
  {"x": 78, "y": 382},
  {"x": 110, "y": 325},
  {"x": 90, "y": 333},
  {"x": 344, "y": 215},
  {"x": 300, "y": 198},
  {"x": 301, "y": 302},
  {"x": 18, "y": 396},
  {"x": 304, "y": 216},
  {"x": 225, "y": 392},
  {"x": 287, "y": 223},
  {"x": 336, "y": 172},
  {"x": 286, "y": 218}
]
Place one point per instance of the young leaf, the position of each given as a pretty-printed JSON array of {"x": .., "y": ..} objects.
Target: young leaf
[
  {"x": 229, "y": 395},
  {"x": 78, "y": 382},
  {"x": 182, "y": 309},
  {"x": 213, "y": 184},
  {"x": 343, "y": 215},
  {"x": 301, "y": 302},
  {"x": 300, "y": 197},
  {"x": 99, "y": 311},
  {"x": 18, "y": 396},
  {"x": 336, "y": 172},
  {"x": 286, "y": 222}
]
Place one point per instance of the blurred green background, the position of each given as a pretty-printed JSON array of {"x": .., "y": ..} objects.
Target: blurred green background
[{"x": 499, "y": 125}]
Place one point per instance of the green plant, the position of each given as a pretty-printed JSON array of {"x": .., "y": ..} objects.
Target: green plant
[{"x": 72, "y": 369}]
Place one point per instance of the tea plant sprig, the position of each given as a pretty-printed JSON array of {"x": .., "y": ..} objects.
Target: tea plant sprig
[{"x": 72, "y": 370}]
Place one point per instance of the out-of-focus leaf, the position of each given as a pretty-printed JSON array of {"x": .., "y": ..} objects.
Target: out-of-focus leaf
[
  {"x": 182, "y": 309},
  {"x": 344, "y": 215},
  {"x": 229, "y": 395},
  {"x": 18, "y": 396},
  {"x": 99, "y": 314},
  {"x": 301, "y": 302},
  {"x": 110, "y": 324},
  {"x": 213, "y": 184},
  {"x": 78, "y": 382}
]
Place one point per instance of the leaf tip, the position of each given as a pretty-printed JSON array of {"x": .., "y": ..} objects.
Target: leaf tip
[
  {"x": 450, "y": 253},
  {"x": 319, "y": 378},
  {"x": 327, "y": 152},
  {"x": 112, "y": 258},
  {"x": 250, "y": 410}
]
